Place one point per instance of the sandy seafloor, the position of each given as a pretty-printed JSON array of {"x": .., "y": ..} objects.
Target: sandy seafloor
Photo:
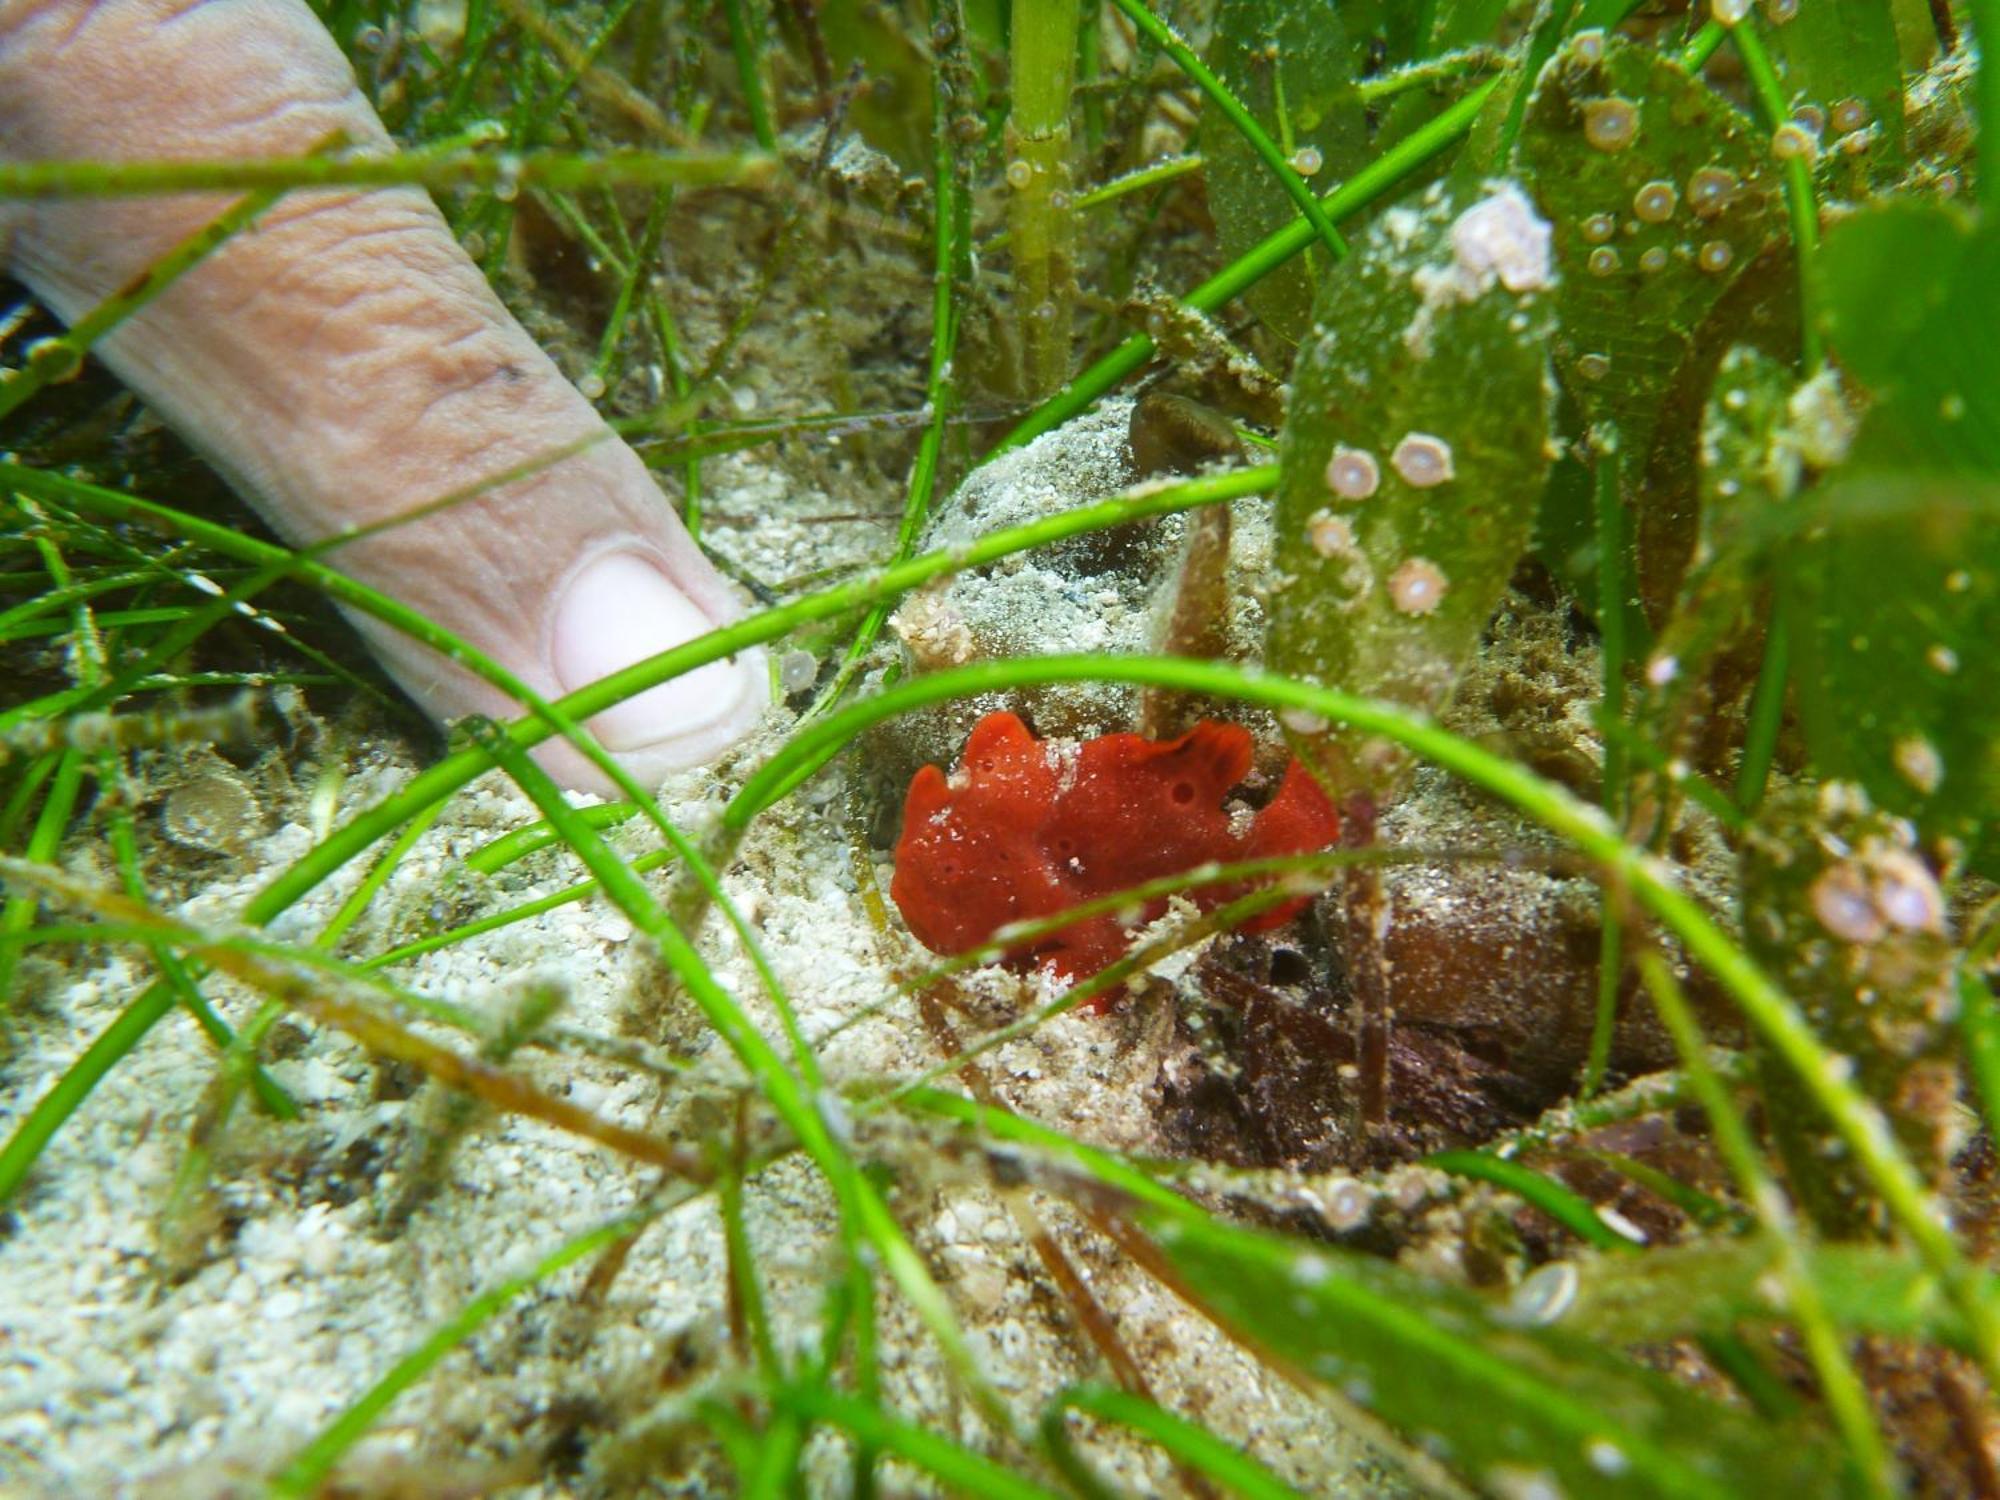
[{"x": 114, "y": 1379}]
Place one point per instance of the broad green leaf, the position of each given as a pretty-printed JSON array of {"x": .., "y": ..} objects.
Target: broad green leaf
[
  {"x": 1898, "y": 573},
  {"x": 1910, "y": 295},
  {"x": 1292, "y": 65},
  {"x": 1839, "y": 909},
  {"x": 1898, "y": 589},
  {"x": 1416, "y": 450},
  {"x": 1842, "y": 58},
  {"x": 1514, "y": 1409},
  {"x": 1677, "y": 1290},
  {"x": 1661, "y": 194},
  {"x": 1467, "y": 23}
]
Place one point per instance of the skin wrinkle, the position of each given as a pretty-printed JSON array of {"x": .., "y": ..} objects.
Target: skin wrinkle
[
  {"x": 278, "y": 111},
  {"x": 343, "y": 363},
  {"x": 176, "y": 13},
  {"x": 312, "y": 263},
  {"x": 71, "y": 34}
]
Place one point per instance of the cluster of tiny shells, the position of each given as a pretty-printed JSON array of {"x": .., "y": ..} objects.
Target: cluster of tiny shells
[
  {"x": 1423, "y": 461},
  {"x": 1864, "y": 898}
]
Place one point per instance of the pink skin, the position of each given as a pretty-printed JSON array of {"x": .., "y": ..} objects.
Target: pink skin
[{"x": 343, "y": 362}]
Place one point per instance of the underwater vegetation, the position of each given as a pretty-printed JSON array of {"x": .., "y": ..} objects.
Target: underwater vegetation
[{"x": 1451, "y": 550}]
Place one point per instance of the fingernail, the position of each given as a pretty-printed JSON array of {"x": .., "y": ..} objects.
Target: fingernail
[{"x": 621, "y": 609}]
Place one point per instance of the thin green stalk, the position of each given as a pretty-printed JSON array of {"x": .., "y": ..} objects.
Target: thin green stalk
[
  {"x": 636, "y": 268},
  {"x": 1556, "y": 19},
  {"x": 748, "y": 1289},
  {"x": 1701, "y": 46},
  {"x": 1193, "y": 1446},
  {"x": 1089, "y": 61},
  {"x": 469, "y": 70},
  {"x": 493, "y": 921},
  {"x": 1770, "y": 96},
  {"x": 1537, "y": 1189},
  {"x": 1041, "y": 71},
  {"x": 666, "y": 335},
  {"x": 22, "y": 797},
  {"x": 1845, "y": 1395},
  {"x": 1422, "y": 74},
  {"x": 582, "y": 63},
  {"x": 1155, "y": 174},
  {"x": 780, "y": 1446},
  {"x": 1318, "y": 218},
  {"x": 1767, "y": 710},
  {"x": 962, "y": 1471},
  {"x": 741, "y": 1443},
  {"x": 371, "y": 885},
  {"x": 507, "y": 170},
  {"x": 860, "y": 1204},
  {"x": 271, "y": 1094},
  {"x": 1613, "y": 586},
  {"x": 54, "y": 600},
  {"x": 19, "y": 913},
  {"x": 1986, "y": 32},
  {"x": 503, "y": 851},
  {"x": 38, "y": 1127},
  {"x": 746, "y": 43},
  {"x": 867, "y": 1366},
  {"x": 1701, "y": 1208},
  {"x": 1677, "y": 773},
  {"x": 950, "y": 265},
  {"x": 1979, "y": 1026},
  {"x": 1364, "y": 188},
  {"x": 1768, "y": 1396}
]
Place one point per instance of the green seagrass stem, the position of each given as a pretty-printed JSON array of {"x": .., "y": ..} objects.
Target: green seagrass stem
[{"x": 1040, "y": 216}]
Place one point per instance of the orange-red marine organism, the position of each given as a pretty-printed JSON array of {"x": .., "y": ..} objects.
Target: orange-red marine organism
[{"x": 1024, "y": 829}]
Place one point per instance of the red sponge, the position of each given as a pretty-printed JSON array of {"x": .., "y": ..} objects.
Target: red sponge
[{"x": 1023, "y": 829}]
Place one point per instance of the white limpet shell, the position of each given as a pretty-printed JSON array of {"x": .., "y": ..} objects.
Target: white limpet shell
[
  {"x": 1418, "y": 586},
  {"x": 1352, "y": 473},
  {"x": 1423, "y": 460},
  {"x": 1330, "y": 535}
]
